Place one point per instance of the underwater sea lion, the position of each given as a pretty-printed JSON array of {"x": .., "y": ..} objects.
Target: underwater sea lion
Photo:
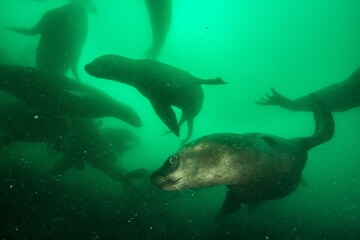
[
  {"x": 63, "y": 33},
  {"x": 162, "y": 84},
  {"x": 160, "y": 12},
  {"x": 88, "y": 145},
  {"x": 254, "y": 166},
  {"x": 338, "y": 97},
  {"x": 56, "y": 95}
]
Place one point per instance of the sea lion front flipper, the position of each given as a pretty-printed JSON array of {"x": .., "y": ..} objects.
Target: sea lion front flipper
[
  {"x": 190, "y": 123},
  {"x": 24, "y": 31},
  {"x": 232, "y": 203},
  {"x": 167, "y": 115},
  {"x": 37, "y": 29}
]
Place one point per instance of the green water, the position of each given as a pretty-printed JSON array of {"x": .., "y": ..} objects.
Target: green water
[{"x": 295, "y": 46}]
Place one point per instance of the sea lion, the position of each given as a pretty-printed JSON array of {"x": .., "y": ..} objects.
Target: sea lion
[
  {"x": 162, "y": 84},
  {"x": 338, "y": 97},
  {"x": 254, "y": 166},
  {"x": 88, "y": 145},
  {"x": 63, "y": 33},
  {"x": 160, "y": 13},
  {"x": 55, "y": 95}
]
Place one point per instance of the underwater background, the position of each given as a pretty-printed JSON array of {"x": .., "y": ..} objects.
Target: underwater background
[{"x": 295, "y": 46}]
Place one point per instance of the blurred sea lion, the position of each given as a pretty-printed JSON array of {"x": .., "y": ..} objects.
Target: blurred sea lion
[
  {"x": 160, "y": 13},
  {"x": 56, "y": 95},
  {"x": 63, "y": 33}
]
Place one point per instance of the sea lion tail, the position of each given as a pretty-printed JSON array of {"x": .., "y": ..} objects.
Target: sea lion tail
[
  {"x": 215, "y": 81},
  {"x": 324, "y": 124}
]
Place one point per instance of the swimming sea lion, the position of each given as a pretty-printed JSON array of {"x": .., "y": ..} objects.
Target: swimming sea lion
[
  {"x": 254, "y": 166},
  {"x": 160, "y": 12},
  {"x": 63, "y": 33},
  {"x": 338, "y": 97},
  {"x": 88, "y": 145},
  {"x": 54, "y": 95},
  {"x": 162, "y": 84}
]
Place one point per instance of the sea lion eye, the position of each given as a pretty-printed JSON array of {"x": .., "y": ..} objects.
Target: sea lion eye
[{"x": 174, "y": 160}]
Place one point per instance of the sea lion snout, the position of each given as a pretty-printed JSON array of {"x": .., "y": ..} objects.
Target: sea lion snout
[
  {"x": 89, "y": 68},
  {"x": 164, "y": 182},
  {"x": 158, "y": 180}
]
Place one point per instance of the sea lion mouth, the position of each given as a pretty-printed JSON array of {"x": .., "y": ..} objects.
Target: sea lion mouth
[{"x": 161, "y": 181}]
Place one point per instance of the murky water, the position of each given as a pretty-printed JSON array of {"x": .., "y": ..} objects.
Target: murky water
[{"x": 296, "y": 47}]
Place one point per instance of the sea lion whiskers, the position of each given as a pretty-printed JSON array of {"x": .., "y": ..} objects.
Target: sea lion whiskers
[
  {"x": 192, "y": 192},
  {"x": 182, "y": 192}
]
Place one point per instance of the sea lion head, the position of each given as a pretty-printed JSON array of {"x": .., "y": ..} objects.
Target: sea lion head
[
  {"x": 109, "y": 67},
  {"x": 197, "y": 164}
]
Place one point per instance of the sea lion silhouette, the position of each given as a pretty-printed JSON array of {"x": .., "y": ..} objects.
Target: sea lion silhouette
[
  {"x": 63, "y": 33},
  {"x": 160, "y": 13},
  {"x": 54, "y": 94}
]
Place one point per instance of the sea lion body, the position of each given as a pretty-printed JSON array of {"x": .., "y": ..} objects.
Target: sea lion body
[
  {"x": 254, "y": 166},
  {"x": 162, "y": 84},
  {"x": 54, "y": 94}
]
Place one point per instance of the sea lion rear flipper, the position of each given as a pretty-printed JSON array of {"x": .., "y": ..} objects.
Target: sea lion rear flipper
[
  {"x": 231, "y": 203},
  {"x": 160, "y": 13},
  {"x": 167, "y": 115},
  {"x": 24, "y": 31}
]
